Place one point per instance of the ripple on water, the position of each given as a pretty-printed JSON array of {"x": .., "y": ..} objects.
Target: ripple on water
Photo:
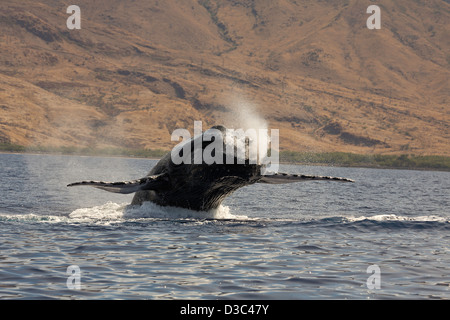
[{"x": 263, "y": 243}]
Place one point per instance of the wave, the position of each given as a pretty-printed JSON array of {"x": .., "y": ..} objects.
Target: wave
[
  {"x": 385, "y": 222},
  {"x": 31, "y": 217},
  {"x": 393, "y": 217},
  {"x": 111, "y": 213}
]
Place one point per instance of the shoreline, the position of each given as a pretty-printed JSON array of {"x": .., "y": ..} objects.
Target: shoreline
[{"x": 336, "y": 159}]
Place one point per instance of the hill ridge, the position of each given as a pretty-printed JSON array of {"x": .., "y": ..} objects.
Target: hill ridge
[{"x": 135, "y": 72}]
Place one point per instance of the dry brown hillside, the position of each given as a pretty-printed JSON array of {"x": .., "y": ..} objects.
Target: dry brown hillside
[{"x": 137, "y": 70}]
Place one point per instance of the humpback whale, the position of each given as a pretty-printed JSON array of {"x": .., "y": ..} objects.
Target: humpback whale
[{"x": 198, "y": 185}]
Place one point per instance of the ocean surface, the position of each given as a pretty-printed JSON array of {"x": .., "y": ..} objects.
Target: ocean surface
[{"x": 386, "y": 236}]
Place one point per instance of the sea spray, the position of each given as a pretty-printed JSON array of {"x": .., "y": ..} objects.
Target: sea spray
[{"x": 113, "y": 212}]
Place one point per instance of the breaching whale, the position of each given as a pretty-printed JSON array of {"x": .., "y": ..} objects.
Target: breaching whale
[{"x": 199, "y": 186}]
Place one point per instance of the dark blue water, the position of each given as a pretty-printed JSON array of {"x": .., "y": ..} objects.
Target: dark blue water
[{"x": 311, "y": 240}]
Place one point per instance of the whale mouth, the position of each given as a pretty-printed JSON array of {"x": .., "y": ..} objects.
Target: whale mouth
[{"x": 240, "y": 174}]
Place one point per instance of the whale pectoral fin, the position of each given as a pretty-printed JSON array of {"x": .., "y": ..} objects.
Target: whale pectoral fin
[
  {"x": 279, "y": 178},
  {"x": 147, "y": 183}
]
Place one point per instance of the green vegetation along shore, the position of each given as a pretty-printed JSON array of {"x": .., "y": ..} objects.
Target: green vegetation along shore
[
  {"x": 373, "y": 160},
  {"x": 328, "y": 158}
]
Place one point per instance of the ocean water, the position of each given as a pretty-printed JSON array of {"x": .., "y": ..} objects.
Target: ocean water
[{"x": 386, "y": 236}]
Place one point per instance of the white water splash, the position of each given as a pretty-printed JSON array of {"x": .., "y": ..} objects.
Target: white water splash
[
  {"x": 393, "y": 217},
  {"x": 114, "y": 212},
  {"x": 108, "y": 212}
]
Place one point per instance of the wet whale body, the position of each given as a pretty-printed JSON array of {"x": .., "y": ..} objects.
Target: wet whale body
[{"x": 198, "y": 185}]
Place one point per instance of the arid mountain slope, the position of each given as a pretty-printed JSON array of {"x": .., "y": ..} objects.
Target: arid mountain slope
[{"x": 137, "y": 70}]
